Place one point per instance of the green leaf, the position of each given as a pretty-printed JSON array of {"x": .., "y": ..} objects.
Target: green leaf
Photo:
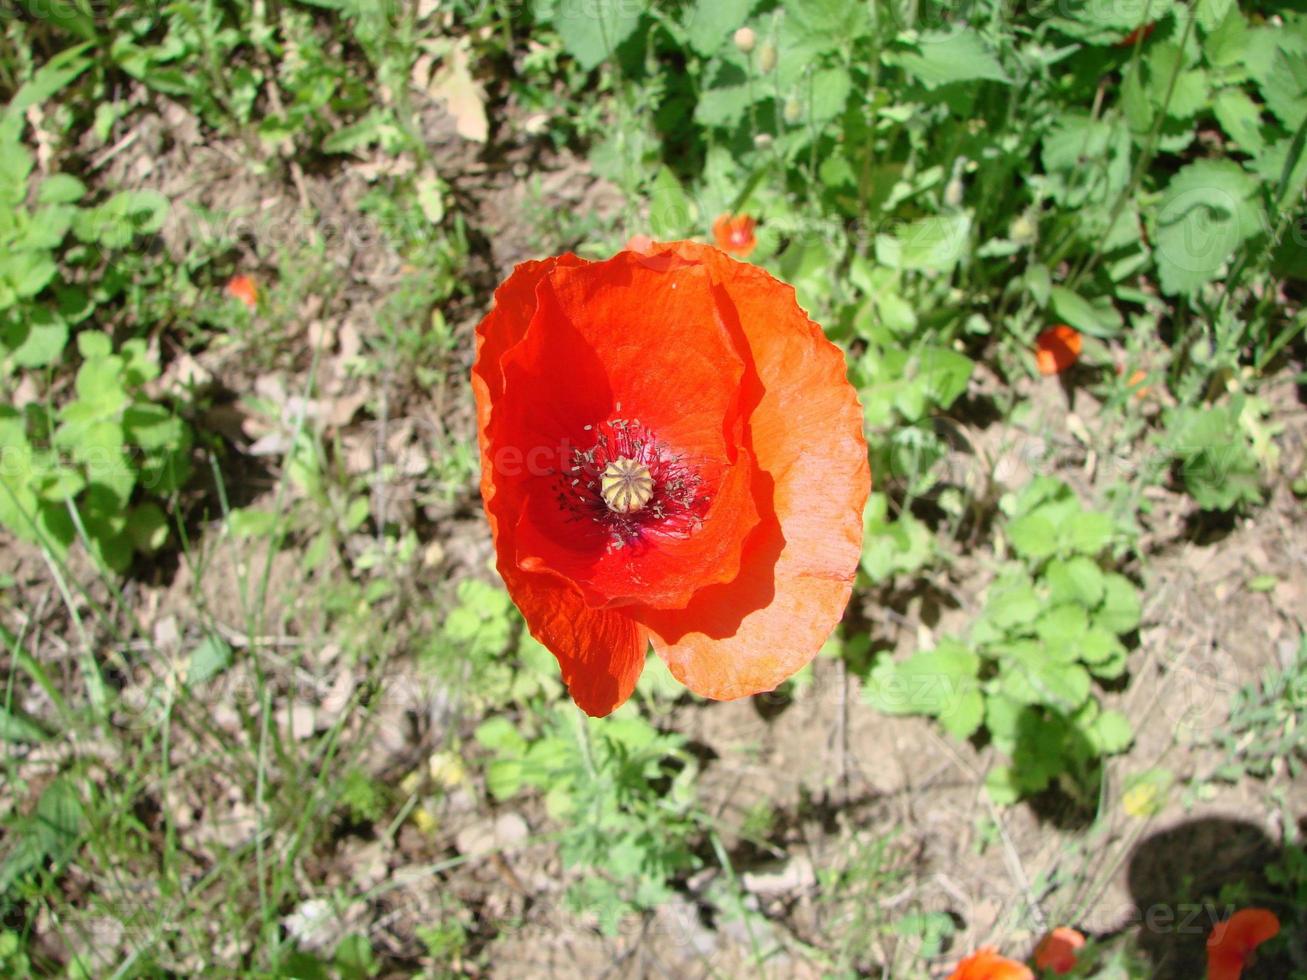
[
  {"x": 1033, "y": 536},
  {"x": 1121, "y": 608},
  {"x": 944, "y": 374},
  {"x": 1062, "y": 627},
  {"x": 60, "y": 189},
  {"x": 671, "y": 213},
  {"x": 1076, "y": 579},
  {"x": 830, "y": 90},
  {"x": 1089, "y": 532},
  {"x": 592, "y": 30},
  {"x": 1098, "y": 318},
  {"x": 211, "y": 656},
  {"x": 943, "y": 57},
  {"x": 723, "y": 106},
  {"x": 1241, "y": 119},
  {"x": 147, "y": 526},
  {"x": 936, "y": 243},
  {"x": 1111, "y": 733},
  {"x": 1012, "y": 604},
  {"x": 940, "y": 682},
  {"x": 1209, "y": 209},
  {"x": 712, "y": 22},
  {"x": 56, "y": 73},
  {"x": 39, "y": 340},
  {"x": 1028, "y": 675}
]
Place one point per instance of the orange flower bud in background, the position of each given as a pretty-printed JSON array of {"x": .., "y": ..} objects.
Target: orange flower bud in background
[
  {"x": 244, "y": 289},
  {"x": 1057, "y": 951},
  {"x": 734, "y": 234},
  {"x": 1056, "y": 349}
]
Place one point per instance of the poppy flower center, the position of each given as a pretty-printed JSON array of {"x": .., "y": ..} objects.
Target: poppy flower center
[
  {"x": 631, "y": 484},
  {"x": 626, "y": 485}
]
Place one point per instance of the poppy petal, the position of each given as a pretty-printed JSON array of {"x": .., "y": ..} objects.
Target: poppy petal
[
  {"x": 748, "y": 635},
  {"x": 986, "y": 964},
  {"x": 585, "y": 363},
  {"x": 601, "y": 652},
  {"x": 1232, "y": 941}
]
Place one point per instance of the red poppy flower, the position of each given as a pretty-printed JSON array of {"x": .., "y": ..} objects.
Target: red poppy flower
[
  {"x": 1231, "y": 943},
  {"x": 1056, "y": 349},
  {"x": 670, "y": 452},
  {"x": 1057, "y": 951},
  {"x": 734, "y": 234},
  {"x": 986, "y": 964},
  {"x": 243, "y": 289}
]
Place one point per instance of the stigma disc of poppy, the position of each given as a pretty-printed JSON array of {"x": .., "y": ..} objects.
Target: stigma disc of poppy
[{"x": 671, "y": 453}]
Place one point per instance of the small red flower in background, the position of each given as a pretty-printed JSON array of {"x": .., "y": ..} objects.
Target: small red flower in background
[
  {"x": 1057, "y": 951},
  {"x": 670, "y": 452},
  {"x": 1231, "y": 943},
  {"x": 640, "y": 243},
  {"x": 1056, "y": 349},
  {"x": 244, "y": 289},
  {"x": 986, "y": 964},
  {"x": 734, "y": 234}
]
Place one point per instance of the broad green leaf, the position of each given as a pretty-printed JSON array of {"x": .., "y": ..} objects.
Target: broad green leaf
[
  {"x": 1241, "y": 119},
  {"x": 147, "y": 526},
  {"x": 592, "y": 30},
  {"x": 1089, "y": 532},
  {"x": 935, "y": 243},
  {"x": 1111, "y": 733},
  {"x": 941, "y": 57},
  {"x": 1010, "y": 605},
  {"x": 39, "y": 340},
  {"x": 1209, "y": 208},
  {"x": 1062, "y": 628},
  {"x": 60, "y": 189},
  {"x": 829, "y": 91},
  {"x": 1121, "y": 608},
  {"x": 712, "y": 22},
  {"x": 1028, "y": 675},
  {"x": 940, "y": 682},
  {"x": 1076, "y": 579},
  {"x": 723, "y": 106},
  {"x": 1033, "y": 535},
  {"x": 1098, "y": 318}
]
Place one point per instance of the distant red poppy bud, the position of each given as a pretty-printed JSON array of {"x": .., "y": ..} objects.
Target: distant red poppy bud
[
  {"x": 1056, "y": 349},
  {"x": 1140, "y": 33},
  {"x": 986, "y": 964},
  {"x": 243, "y": 289},
  {"x": 1057, "y": 951},
  {"x": 1232, "y": 942},
  {"x": 670, "y": 452},
  {"x": 745, "y": 39},
  {"x": 734, "y": 234},
  {"x": 640, "y": 243}
]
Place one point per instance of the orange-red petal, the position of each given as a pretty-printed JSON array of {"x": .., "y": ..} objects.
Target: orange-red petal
[
  {"x": 986, "y": 964},
  {"x": 619, "y": 339},
  {"x": 805, "y": 428},
  {"x": 1057, "y": 951},
  {"x": 1232, "y": 942},
  {"x": 1057, "y": 348}
]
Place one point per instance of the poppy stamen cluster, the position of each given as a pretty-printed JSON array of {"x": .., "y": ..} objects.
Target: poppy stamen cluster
[{"x": 630, "y": 485}]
